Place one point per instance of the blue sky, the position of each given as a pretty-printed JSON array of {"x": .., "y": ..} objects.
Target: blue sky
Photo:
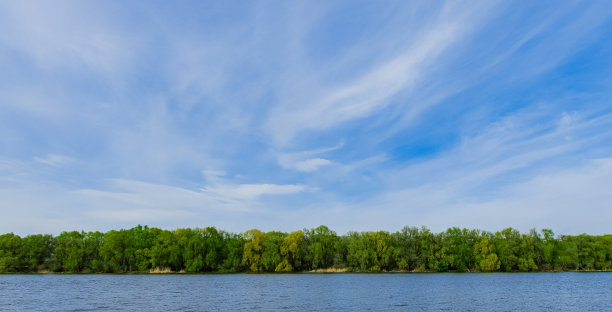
[{"x": 281, "y": 115}]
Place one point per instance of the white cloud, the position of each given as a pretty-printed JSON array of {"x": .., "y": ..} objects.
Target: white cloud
[
  {"x": 54, "y": 160},
  {"x": 47, "y": 33},
  {"x": 35, "y": 207},
  {"x": 372, "y": 91},
  {"x": 513, "y": 173},
  {"x": 213, "y": 176},
  {"x": 306, "y": 165},
  {"x": 569, "y": 201},
  {"x": 306, "y": 161},
  {"x": 221, "y": 188},
  {"x": 251, "y": 191},
  {"x": 216, "y": 95}
]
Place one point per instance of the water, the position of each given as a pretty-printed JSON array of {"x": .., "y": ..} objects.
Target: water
[{"x": 309, "y": 292}]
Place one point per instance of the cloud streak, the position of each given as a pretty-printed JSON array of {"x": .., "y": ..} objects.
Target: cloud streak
[
  {"x": 372, "y": 91},
  {"x": 358, "y": 115}
]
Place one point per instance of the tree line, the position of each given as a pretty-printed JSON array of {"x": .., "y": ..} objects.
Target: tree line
[{"x": 146, "y": 249}]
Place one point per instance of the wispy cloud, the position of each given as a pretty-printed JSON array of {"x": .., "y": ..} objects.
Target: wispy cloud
[
  {"x": 445, "y": 112},
  {"x": 372, "y": 90},
  {"x": 54, "y": 160},
  {"x": 306, "y": 165},
  {"x": 225, "y": 190},
  {"x": 47, "y": 35},
  {"x": 507, "y": 173},
  {"x": 307, "y": 161},
  {"x": 127, "y": 202}
]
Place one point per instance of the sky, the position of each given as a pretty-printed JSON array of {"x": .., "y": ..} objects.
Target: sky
[{"x": 284, "y": 115}]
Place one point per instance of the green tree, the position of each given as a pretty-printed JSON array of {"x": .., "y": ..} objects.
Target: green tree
[
  {"x": 359, "y": 256},
  {"x": 192, "y": 246},
  {"x": 568, "y": 257},
  {"x": 92, "y": 242},
  {"x": 292, "y": 250},
  {"x": 232, "y": 250},
  {"x": 458, "y": 244},
  {"x": 507, "y": 245},
  {"x": 253, "y": 249},
  {"x": 271, "y": 254},
  {"x": 322, "y": 243},
  {"x": 485, "y": 257},
  {"x": 408, "y": 252},
  {"x": 10, "y": 246},
  {"x": 528, "y": 252},
  {"x": 430, "y": 251},
  {"x": 112, "y": 252},
  {"x": 549, "y": 247},
  {"x": 70, "y": 252},
  {"x": 165, "y": 251},
  {"x": 36, "y": 252}
]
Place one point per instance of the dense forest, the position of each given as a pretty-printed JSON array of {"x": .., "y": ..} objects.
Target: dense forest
[{"x": 145, "y": 249}]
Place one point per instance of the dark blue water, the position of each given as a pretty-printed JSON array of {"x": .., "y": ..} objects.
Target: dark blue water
[{"x": 309, "y": 292}]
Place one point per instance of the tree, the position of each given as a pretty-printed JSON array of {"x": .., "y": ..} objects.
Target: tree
[
  {"x": 487, "y": 260},
  {"x": 408, "y": 252},
  {"x": 568, "y": 253},
  {"x": 209, "y": 250},
  {"x": 112, "y": 252},
  {"x": 292, "y": 250},
  {"x": 271, "y": 254},
  {"x": 70, "y": 252},
  {"x": 92, "y": 242},
  {"x": 165, "y": 252},
  {"x": 458, "y": 244},
  {"x": 36, "y": 251},
  {"x": 507, "y": 245},
  {"x": 359, "y": 257},
  {"x": 549, "y": 246},
  {"x": 429, "y": 246},
  {"x": 528, "y": 251},
  {"x": 10, "y": 245},
  {"x": 232, "y": 250},
  {"x": 253, "y": 249},
  {"x": 192, "y": 247},
  {"x": 321, "y": 247}
]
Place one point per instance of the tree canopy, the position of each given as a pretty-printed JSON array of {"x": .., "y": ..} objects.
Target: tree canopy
[{"x": 145, "y": 249}]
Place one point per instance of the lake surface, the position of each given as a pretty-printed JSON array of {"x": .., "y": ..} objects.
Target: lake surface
[{"x": 309, "y": 292}]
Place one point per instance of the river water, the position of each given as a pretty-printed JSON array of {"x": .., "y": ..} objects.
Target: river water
[{"x": 309, "y": 292}]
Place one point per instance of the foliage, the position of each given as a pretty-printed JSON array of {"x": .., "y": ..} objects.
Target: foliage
[
  {"x": 322, "y": 246},
  {"x": 253, "y": 249},
  {"x": 144, "y": 249}
]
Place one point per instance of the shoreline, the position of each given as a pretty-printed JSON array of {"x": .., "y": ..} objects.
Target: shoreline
[{"x": 319, "y": 271}]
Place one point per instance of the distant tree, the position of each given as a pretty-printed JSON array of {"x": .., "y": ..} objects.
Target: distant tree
[
  {"x": 209, "y": 250},
  {"x": 292, "y": 250},
  {"x": 549, "y": 246},
  {"x": 271, "y": 254},
  {"x": 430, "y": 251},
  {"x": 458, "y": 244},
  {"x": 485, "y": 257},
  {"x": 528, "y": 253},
  {"x": 70, "y": 252},
  {"x": 165, "y": 252},
  {"x": 36, "y": 252},
  {"x": 568, "y": 257},
  {"x": 232, "y": 250},
  {"x": 408, "y": 252},
  {"x": 112, "y": 252},
  {"x": 253, "y": 249},
  {"x": 10, "y": 245},
  {"x": 322, "y": 243},
  {"x": 507, "y": 245}
]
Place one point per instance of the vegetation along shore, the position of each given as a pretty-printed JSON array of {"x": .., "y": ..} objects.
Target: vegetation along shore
[{"x": 144, "y": 249}]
